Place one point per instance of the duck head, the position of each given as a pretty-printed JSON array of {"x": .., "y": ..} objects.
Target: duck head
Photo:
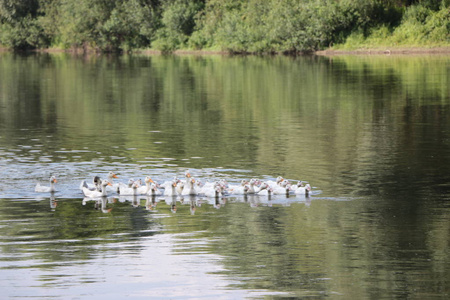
[
  {"x": 148, "y": 180},
  {"x": 111, "y": 174},
  {"x": 279, "y": 179}
]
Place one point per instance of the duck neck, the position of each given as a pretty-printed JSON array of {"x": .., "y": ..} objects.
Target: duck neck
[
  {"x": 147, "y": 190},
  {"x": 104, "y": 191},
  {"x": 52, "y": 186}
]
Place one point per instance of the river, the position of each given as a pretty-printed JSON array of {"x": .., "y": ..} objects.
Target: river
[{"x": 370, "y": 134}]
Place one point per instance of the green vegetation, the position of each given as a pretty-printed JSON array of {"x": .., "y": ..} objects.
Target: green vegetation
[{"x": 259, "y": 26}]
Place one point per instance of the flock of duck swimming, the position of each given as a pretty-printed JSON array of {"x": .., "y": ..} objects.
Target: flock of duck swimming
[{"x": 189, "y": 186}]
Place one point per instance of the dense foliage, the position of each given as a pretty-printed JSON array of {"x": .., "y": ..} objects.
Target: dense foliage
[{"x": 231, "y": 25}]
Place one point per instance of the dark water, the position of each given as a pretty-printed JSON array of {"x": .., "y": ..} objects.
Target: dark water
[{"x": 370, "y": 133}]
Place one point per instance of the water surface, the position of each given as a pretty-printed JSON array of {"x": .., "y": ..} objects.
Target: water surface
[{"x": 370, "y": 133}]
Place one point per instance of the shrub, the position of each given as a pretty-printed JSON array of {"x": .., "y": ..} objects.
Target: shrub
[{"x": 178, "y": 19}]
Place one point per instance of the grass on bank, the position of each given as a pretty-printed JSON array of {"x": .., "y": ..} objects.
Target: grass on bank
[{"x": 420, "y": 28}]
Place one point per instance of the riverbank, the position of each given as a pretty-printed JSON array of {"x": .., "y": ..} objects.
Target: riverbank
[
  {"x": 386, "y": 51},
  {"x": 325, "y": 52}
]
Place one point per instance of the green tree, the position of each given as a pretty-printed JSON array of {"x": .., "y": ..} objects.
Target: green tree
[
  {"x": 232, "y": 25},
  {"x": 131, "y": 25},
  {"x": 178, "y": 20},
  {"x": 107, "y": 25},
  {"x": 18, "y": 26}
]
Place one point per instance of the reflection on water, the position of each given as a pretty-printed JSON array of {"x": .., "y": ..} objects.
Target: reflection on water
[
  {"x": 240, "y": 247},
  {"x": 371, "y": 135}
]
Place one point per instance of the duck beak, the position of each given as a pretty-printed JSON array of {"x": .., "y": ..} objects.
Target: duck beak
[
  {"x": 55, "y": 181},
  {"x": 109, "y": 183},
  {"x": 188, "y": 175},
  {"x": 115, "y": 176}
]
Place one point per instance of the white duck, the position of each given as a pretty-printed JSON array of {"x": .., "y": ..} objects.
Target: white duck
[
  {"x": 144, "y": 189},
  {"x": 265, "y": 189},
  {"x": 153, "y": 190},
  {"x": 170, "y": 188},
  {"x": 212, "y": 190},
  {"x": 46, "y": 189},
  {"x": 95, "y": 186},
  {"x": 114, "y": 186},
  {"x": 122, "y": 187},
  {"x": 95, "y": 193},
  {"x": 97, "y": 183},
  {"x": 129, "y": 191},
  {"x": 180, "y": 188},
  {"x": 252, "y": 189},
  {"x": 302, "y": 188},
  {"x": 224, "y": 183},
  {"x": 187, "y": 177},
  {"x": 282, "y": 188},
  {"x": 240, "y": 189},
  {"x": 190, "y": 188},
  {"x": 208, "y": 185},
  {"x": 277, "y": 181}
]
